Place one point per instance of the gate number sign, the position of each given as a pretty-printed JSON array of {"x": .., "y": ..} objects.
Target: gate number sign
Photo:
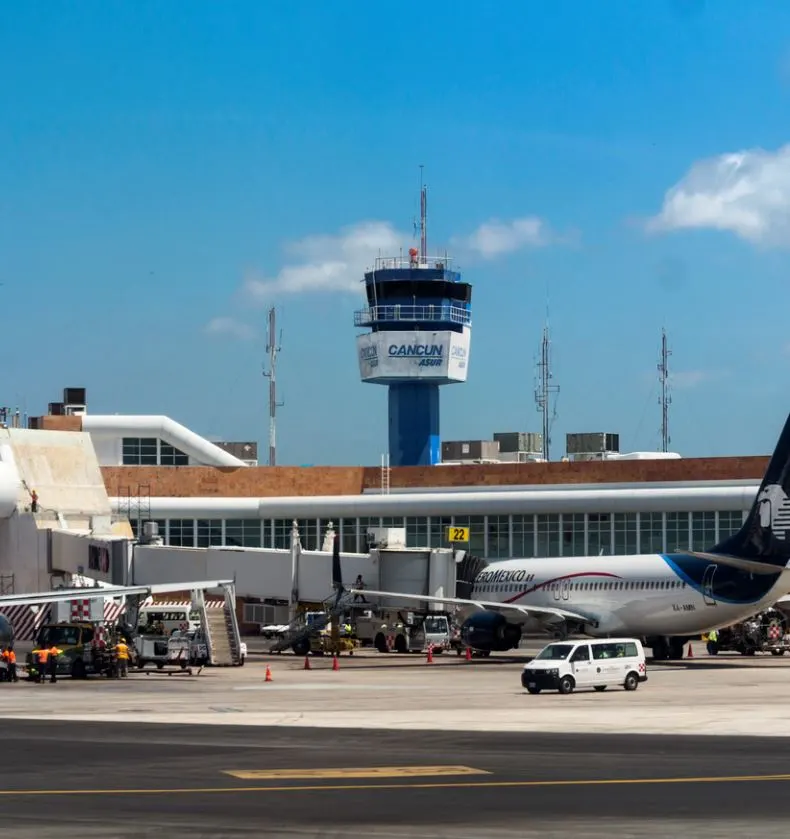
[{"x": 457, "y": 534}]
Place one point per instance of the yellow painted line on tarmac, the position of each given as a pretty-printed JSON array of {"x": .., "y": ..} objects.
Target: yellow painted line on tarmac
[
  {"x": 724, "y": 779},
  {"x": 360, "y": 772}
]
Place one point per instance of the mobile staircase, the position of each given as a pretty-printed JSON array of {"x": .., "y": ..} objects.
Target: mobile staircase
[{"x": 220, "y": 629}]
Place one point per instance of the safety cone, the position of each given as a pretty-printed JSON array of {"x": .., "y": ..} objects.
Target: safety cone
[
  {"x": 335, "y": 663},
  {"x": 691, "y": 652},
  {"x": 307, "y": 662},
  {"x": 429, "y": 660},
  {"x": 468, "y": 653},
  {"x": 268, "y": 673}
]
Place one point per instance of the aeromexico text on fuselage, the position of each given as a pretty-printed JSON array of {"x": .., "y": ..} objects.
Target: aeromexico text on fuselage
[{"x": 663, "y": 594}]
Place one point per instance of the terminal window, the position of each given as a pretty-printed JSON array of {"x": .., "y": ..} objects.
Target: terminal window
[{"x": 139, "y": 451}]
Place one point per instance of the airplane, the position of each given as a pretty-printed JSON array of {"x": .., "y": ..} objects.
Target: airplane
[
  {"x": 665, "y": 599},
  {"x": 100, "y": 589}
]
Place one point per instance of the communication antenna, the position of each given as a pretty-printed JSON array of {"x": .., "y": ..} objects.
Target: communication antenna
[
  {"x": 273, "y": 349},
  {"x": 544, "y": 388},
  {"x": 423, "y": 223},
  {"x": 665, "y": 399}
]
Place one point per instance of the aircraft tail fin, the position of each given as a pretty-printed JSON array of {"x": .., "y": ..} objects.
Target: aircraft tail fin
[{"x": 765, "y": 535}]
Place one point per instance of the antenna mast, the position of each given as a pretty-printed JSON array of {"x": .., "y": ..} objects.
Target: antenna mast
[
  {"x": 544, "y": 389},
  {"x": 423, "y": 220},
  {"x": 273, "y": 349},
  {"x": 665, "y": 399}
]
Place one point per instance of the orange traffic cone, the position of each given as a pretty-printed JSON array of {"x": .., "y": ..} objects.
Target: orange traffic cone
[
  {"x": 691, "y": 652},
  {"x": 307, "y": 662},
  {"x": 429, "y": 660},
  {"x": 335, "y": 663},
  {"x": 468, "y": 653},
  {"x": 268, "y": 673}
]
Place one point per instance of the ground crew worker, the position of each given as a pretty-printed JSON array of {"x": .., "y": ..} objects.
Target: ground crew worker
[
  {"x": 41, "y": 662},
  {"x": 33, "y": 501},
  {"x": 10, "y": 658},
  {"x": 54, "y": 652},
  {"x": 122, "y": 652},
  {"x": 712, "y": 645}
]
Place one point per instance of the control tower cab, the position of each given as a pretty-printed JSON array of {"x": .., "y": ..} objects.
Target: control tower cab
[{"x": 420, "y": 317}]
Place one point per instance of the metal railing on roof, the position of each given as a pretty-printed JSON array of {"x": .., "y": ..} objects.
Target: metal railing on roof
[
  {"x": 441, "y": 263},
  {"x": 419, "y": 314}
]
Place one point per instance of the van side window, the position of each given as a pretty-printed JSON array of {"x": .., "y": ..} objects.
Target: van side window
[
  {"x": 581, "y": 654},
  {"x": 609, "y": 650},
  {"x": 630, "y": 650}
]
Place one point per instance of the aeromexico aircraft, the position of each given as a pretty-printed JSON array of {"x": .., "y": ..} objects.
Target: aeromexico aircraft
[
  {"x": 666, "y": 599},
  {"x": 86, "y": 592}
]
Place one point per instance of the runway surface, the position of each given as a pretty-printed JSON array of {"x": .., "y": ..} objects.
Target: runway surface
[{"x": 130, "y": 780}]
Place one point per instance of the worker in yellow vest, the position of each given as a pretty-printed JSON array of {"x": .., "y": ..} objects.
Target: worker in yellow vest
[{"x": 122, "y": 654}]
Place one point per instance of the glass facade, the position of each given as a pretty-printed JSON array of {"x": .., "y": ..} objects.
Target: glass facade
[
  {"x": 150, "y": 451},
  {"x": 491, "y": 537}
]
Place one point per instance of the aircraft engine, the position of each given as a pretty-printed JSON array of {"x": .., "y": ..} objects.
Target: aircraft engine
[{"x": 490, "y": 632}]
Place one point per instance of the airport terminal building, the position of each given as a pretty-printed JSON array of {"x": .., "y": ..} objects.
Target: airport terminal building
[{"x": 202, "y": 494}]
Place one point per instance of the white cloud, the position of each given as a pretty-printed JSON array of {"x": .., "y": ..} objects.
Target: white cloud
[
  {"x": 494, "y": 237},
  {"x": 688, "y": 379},
  {"x": 329, "y": 263},
  {"x": 231, "y": 327},
  {"x": 745, "y": 192}
]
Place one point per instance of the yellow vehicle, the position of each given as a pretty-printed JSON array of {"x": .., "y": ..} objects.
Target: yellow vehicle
[{"x": 322, "y": 643}]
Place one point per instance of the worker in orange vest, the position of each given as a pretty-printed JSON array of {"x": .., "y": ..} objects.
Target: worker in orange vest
[
  {"x": 54, "y": 652},
  {"x": 9, "y": 657},
  {"x": 41, "y": 669}
]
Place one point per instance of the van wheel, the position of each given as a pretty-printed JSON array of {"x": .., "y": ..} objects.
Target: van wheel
[
  {"x": 566, "y": 685},
  {"x": 600, "y": 688},
  {"x": 533, "y": 691},
  {"x": 631, "y": 682}
]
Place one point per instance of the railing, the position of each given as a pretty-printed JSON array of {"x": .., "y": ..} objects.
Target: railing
[
  {"x": 418, "y": 314},
  {"x": 442, "y": 263}
]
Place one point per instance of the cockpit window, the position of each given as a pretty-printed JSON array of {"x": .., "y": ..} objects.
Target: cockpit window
[{"x": 554, "y": 652}]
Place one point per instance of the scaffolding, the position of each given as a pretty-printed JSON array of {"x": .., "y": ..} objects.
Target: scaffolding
[{"x": 134, "y": 502}]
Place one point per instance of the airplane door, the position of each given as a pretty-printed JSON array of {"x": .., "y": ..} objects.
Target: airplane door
[
  {"x": 707, "y": 585},
  {"x": 557, "y": 587},
  {"x": 566, "y": 589}
]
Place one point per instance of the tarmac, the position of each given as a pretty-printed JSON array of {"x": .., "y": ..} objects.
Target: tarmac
[
  {"x": 393, "y": 746},
  {"x": 118, "y": 780},
  {"x": 703, "y": 695}
]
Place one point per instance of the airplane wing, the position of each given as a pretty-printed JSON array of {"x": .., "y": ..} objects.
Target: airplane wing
[
  {"x": 487, "y": 605},
  {"x": 750, "y": 565},
  {"x": 87, "y": 592}
]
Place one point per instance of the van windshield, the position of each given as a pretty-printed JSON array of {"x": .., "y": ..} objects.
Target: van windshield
[{"x": 554, "y": 652}]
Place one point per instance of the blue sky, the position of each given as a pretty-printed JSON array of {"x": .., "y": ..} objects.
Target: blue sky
[{"x": 171, "y": 170}]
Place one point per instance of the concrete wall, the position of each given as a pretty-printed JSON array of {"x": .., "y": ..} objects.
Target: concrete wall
[
  {"x": 23, "y": 554},
  {"x": 62, "y": 467}
]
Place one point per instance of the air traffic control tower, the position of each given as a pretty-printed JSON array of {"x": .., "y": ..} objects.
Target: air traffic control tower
[{"x": 420, "y": 315}]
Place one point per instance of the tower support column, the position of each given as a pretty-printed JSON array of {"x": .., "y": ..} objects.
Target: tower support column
[{"x": 414, "y": 424}]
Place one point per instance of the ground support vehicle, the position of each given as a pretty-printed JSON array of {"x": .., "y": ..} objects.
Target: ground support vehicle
[
  {"x": 86, "y": 648},
  {"x": 181, "y": 649},
  {"x": 565, "y": 666},
  {"x": 391, "y": 630},
  {"x": 323, "y": 643},
  {"x": 765, "y": 632}
]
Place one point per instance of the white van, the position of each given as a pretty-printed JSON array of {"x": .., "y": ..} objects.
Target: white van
[{"x": 598, "y": 664}]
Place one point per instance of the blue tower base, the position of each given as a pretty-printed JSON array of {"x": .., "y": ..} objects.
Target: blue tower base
[{"x": 414, "y": 424}]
